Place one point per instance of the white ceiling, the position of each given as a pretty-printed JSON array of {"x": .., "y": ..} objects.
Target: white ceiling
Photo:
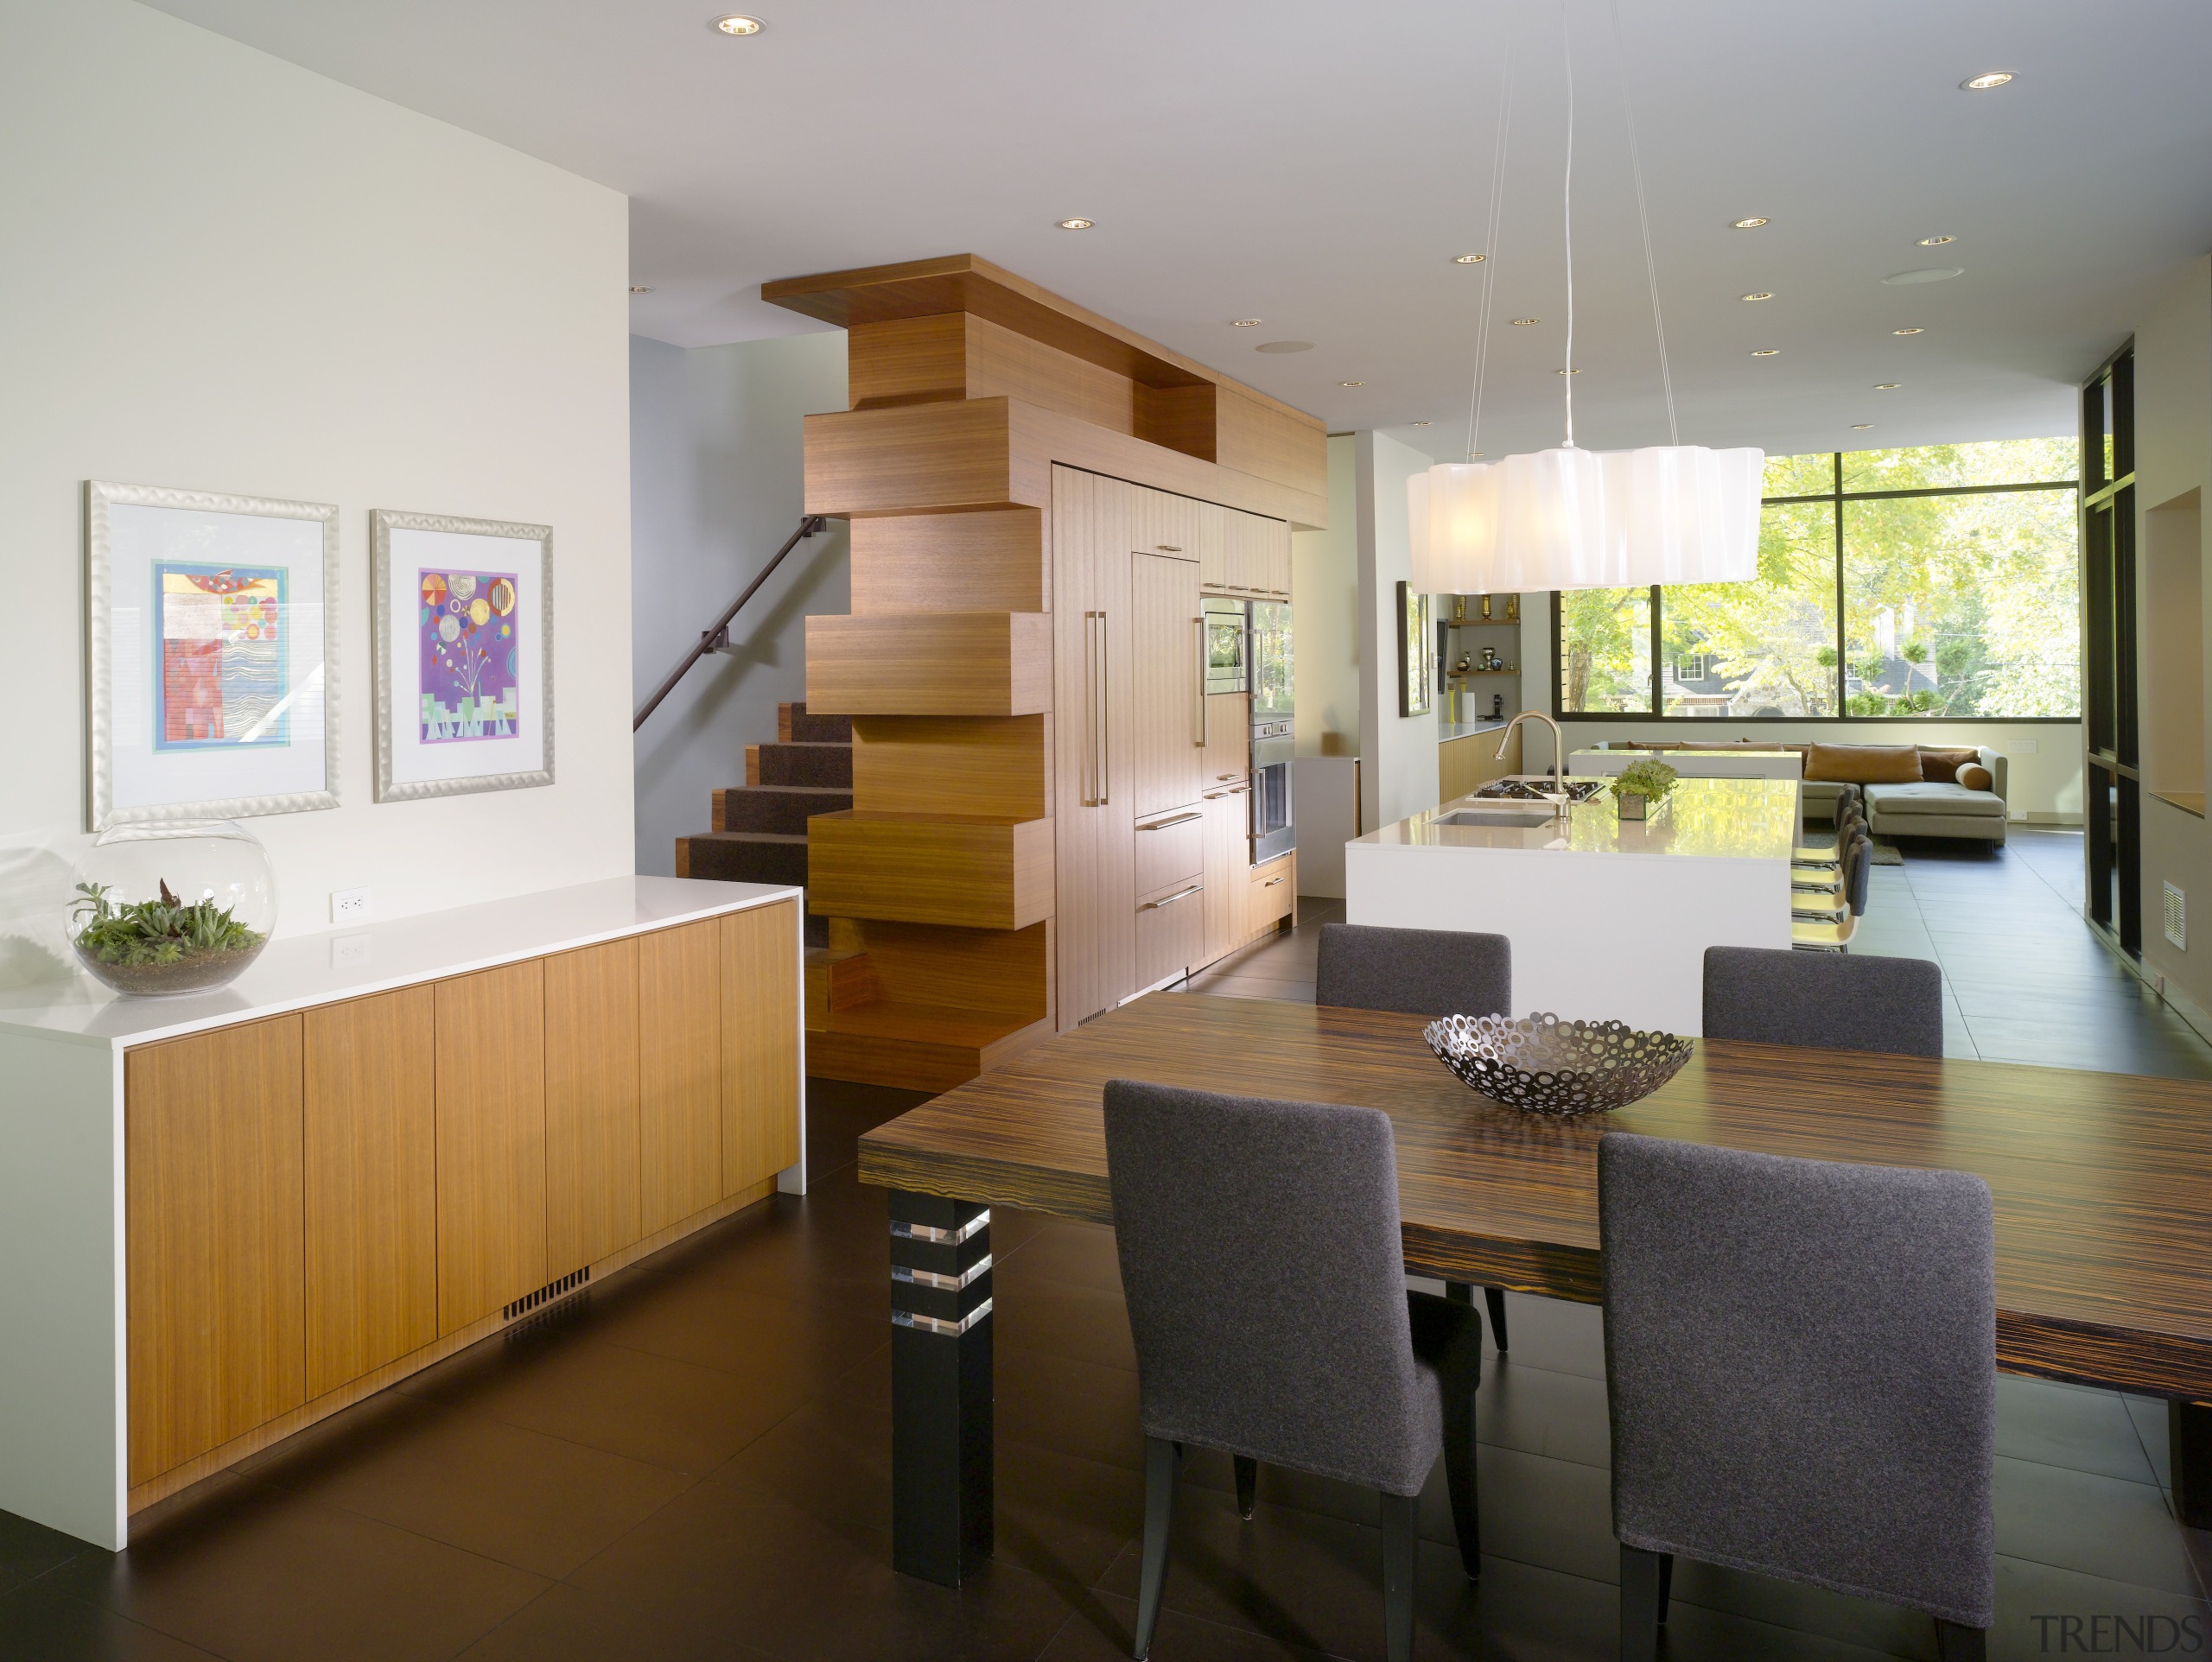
[{"x": 1317, "y": 164}]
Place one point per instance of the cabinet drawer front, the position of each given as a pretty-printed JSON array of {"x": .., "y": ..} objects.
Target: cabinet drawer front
[
  {"x": 1171, "y": 931},
  {"x": 1171, "y": 847},
  {"x": 1274, "y": 893}
]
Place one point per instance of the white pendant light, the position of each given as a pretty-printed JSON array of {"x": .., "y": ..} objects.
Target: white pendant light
[{"x": 1569, "y": 518}]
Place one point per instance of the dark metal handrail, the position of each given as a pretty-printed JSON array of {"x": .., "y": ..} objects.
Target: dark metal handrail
[{"x": 714, "y": 639}]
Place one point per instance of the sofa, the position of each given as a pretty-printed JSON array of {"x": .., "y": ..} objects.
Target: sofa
[{"x": 1933, "y": 804}]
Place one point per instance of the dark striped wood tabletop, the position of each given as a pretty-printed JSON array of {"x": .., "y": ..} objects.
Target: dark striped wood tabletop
[{"x": 2103, "y": 1182}]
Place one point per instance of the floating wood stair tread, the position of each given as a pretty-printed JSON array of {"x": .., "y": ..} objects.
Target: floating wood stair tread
[
  {"x": 932, "y": 664},
  {"x": 966, "y": 869},
  {"x": 915, "y": 1046}
]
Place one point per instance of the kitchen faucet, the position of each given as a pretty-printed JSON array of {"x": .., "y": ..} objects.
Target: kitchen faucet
[{"x": 1558, "y": 799}]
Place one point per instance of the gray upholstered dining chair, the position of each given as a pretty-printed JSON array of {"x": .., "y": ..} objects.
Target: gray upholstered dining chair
[
  {"x": 1420, "y": 973},
  {"x": 1764, "y": 1416},
  {"x": 1767, "y": 997},
  {"x": 1266, "y": 1285}
]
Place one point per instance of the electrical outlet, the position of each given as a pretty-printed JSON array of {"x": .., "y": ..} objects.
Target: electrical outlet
[
  {"x": 350, "y": 906},
  {"x": 349, "y": 952}
]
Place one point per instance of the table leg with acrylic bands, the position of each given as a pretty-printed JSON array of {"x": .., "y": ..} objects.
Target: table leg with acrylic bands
[{"x": 942, "y": 1476}]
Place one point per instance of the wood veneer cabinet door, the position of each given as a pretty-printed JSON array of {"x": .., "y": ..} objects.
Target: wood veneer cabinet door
[
  {"x": 490, "y": 1029},
  {"x": 1226, "y": 902},
  {"x": 213, "y": 1175},
  {"x": 1094, "y": 837},
  {"x": 679, "y": 1072},
  {"x": 1258, "y": 559},
  {"x": 1168, "y": 718},
  {"x": 592, "y": 1204},
  {"x": 1166, "y": 524},
  {"x": 1213, "y": 545},
  {"x": 371, "y": 1218},
  {"x": 759, "y": 1039}
]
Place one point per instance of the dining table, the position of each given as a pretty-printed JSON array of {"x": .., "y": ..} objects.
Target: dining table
[{"x": 2102, "y": 1185}]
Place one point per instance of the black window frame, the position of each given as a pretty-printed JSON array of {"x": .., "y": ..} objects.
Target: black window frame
[{"x": 1836, "y": 496}]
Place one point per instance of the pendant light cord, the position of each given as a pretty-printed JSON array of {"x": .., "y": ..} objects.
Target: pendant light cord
[
  {"x": 1643, "y": 219},
  {"x": 1566, "y": 374},
  {"x": 1490, "y": 246}
]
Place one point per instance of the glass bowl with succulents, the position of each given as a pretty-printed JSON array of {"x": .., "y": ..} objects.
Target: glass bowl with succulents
[
  {"x": 1642, "y": 787},
  {"x": 172, "y": 906}
]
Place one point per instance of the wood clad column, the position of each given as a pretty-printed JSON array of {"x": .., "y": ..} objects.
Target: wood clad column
[
  {"x": 679, "y": 1072},
  {"x": 491, "y": 1140},
  {"x": 1167, "y": 720},
  {"x": 592, "y": 1206},
  {"x": 213, "y": 1174},
  {"x": 759, "y": 1045},
  {"x": 372, "y": 1183}
]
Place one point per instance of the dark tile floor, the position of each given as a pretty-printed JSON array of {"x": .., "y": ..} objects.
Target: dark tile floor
[{"x": 693, "y": 1462}]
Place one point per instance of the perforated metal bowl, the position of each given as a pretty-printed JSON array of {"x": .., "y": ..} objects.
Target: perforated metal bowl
[{"x": 1541, "y": 1064}]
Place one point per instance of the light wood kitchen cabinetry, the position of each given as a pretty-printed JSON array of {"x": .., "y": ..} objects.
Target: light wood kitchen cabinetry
[
  {"x": 679, "y": 1075},
  {"x": 1213, "y": 545},
  {"x": 1226, "y": 869},
  {"x": 1274, "y": 893},
  {"x": 370, "y": 1175},
  {"x": 1092, "y": 826},
  {"x": 1228, "y": 756},
  {"x": 1257, "y": 556},
  {"x": 1170, "y": 848},
  {"x": 591, "y": 1104},
  {"x": 761, "y": 1068},
  {"x": 1471, "y": 760},
  {"x": 1165, "y": 523},
  {"x": 214, "y": 1168},
  {"x": 491, "y": 1139},
  {"x": 1170, "y": 931},
  {"x": 1167, "y": 717}
]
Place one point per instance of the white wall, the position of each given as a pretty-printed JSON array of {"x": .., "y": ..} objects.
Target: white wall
[
  {"x": 225, "y": 273},
  {"x": 2173, "y": 457},
  {"x": 1398, "y": 753},
  {"x": 716, "y": 486},
  {"x": 1324, "y": 578}
]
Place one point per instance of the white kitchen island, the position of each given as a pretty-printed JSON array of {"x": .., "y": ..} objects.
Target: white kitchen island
[{"x": 1609, "y": 919}]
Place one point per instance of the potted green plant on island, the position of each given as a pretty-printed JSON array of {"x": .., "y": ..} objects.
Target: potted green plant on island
[
  {"x": 163, "y": 945},
  {"x": 1641, "y": 786}
]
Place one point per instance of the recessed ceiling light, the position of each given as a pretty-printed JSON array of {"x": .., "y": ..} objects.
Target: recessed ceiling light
[
  {"x": 1524, "y": 322},
  {"x": 640, "y": 289},
  {"x": 1469, "y": 259},
  {"x": 1351, "y": 384},
  {"x": 1567, "y": 371},
  {"x": 1767, "y": 351},
  {"x": 1860, "y": 427},
  {"x": 1937, "y": 242},
  {"x": 1752, "y": 224},
  {"x": 1077, "y": 225},
  {"x": 1246, "y": 323},
  {"x": 1888, "y": 386},
  {"x": 1995, "y": 77},
  {"x": 738, "y": 23},
  {"x": 1284, "y": 346},
  {"x": 1761, "y": 294},
  {"x": 1420, "y": 423},
  {"x": 1908, "y": 332}
]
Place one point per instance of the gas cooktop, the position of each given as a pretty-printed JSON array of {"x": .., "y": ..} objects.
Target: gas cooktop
[{"x": 1579, "y": 790}]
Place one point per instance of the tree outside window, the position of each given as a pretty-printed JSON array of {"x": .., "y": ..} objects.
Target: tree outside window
[{"x": 1958, "y": 568}]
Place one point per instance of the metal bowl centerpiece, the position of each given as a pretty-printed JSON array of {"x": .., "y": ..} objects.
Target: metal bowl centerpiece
[{"x": 1541, "y": 1064}]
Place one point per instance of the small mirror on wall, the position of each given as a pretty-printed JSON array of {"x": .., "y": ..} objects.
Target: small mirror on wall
[{"x": 1416, "y": 665}]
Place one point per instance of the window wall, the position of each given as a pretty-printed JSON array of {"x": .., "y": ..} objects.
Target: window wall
[{"x": 1932, "y": 583}]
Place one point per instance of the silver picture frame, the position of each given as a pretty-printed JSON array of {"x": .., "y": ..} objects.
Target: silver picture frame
[
  {"x": 382, "y": 523},
  {"x": 103, "y": 809}
]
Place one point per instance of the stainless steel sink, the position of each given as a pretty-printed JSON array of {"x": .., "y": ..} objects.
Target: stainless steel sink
[{"x": 1520, "y": 819}]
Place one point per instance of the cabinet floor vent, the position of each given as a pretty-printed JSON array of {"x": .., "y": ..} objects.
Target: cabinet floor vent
[
  {"x": 549, "y": 1293},
  {"x": 2176, "y": 917}
]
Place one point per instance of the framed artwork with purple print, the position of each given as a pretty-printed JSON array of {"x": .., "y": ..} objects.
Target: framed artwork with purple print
[
  {"x": 211, "y": 689},
  {"x": 464, "y": 650}
]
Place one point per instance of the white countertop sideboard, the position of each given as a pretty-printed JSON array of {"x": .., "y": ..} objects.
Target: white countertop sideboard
[{"x": 64, "y": 1303}]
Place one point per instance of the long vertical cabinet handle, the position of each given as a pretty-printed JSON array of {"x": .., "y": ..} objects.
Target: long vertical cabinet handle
[
  {"x": 1090, "y": 709},
  {"x": 1200, "y": 741},
  {"x": 1100, "y": 736}
]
